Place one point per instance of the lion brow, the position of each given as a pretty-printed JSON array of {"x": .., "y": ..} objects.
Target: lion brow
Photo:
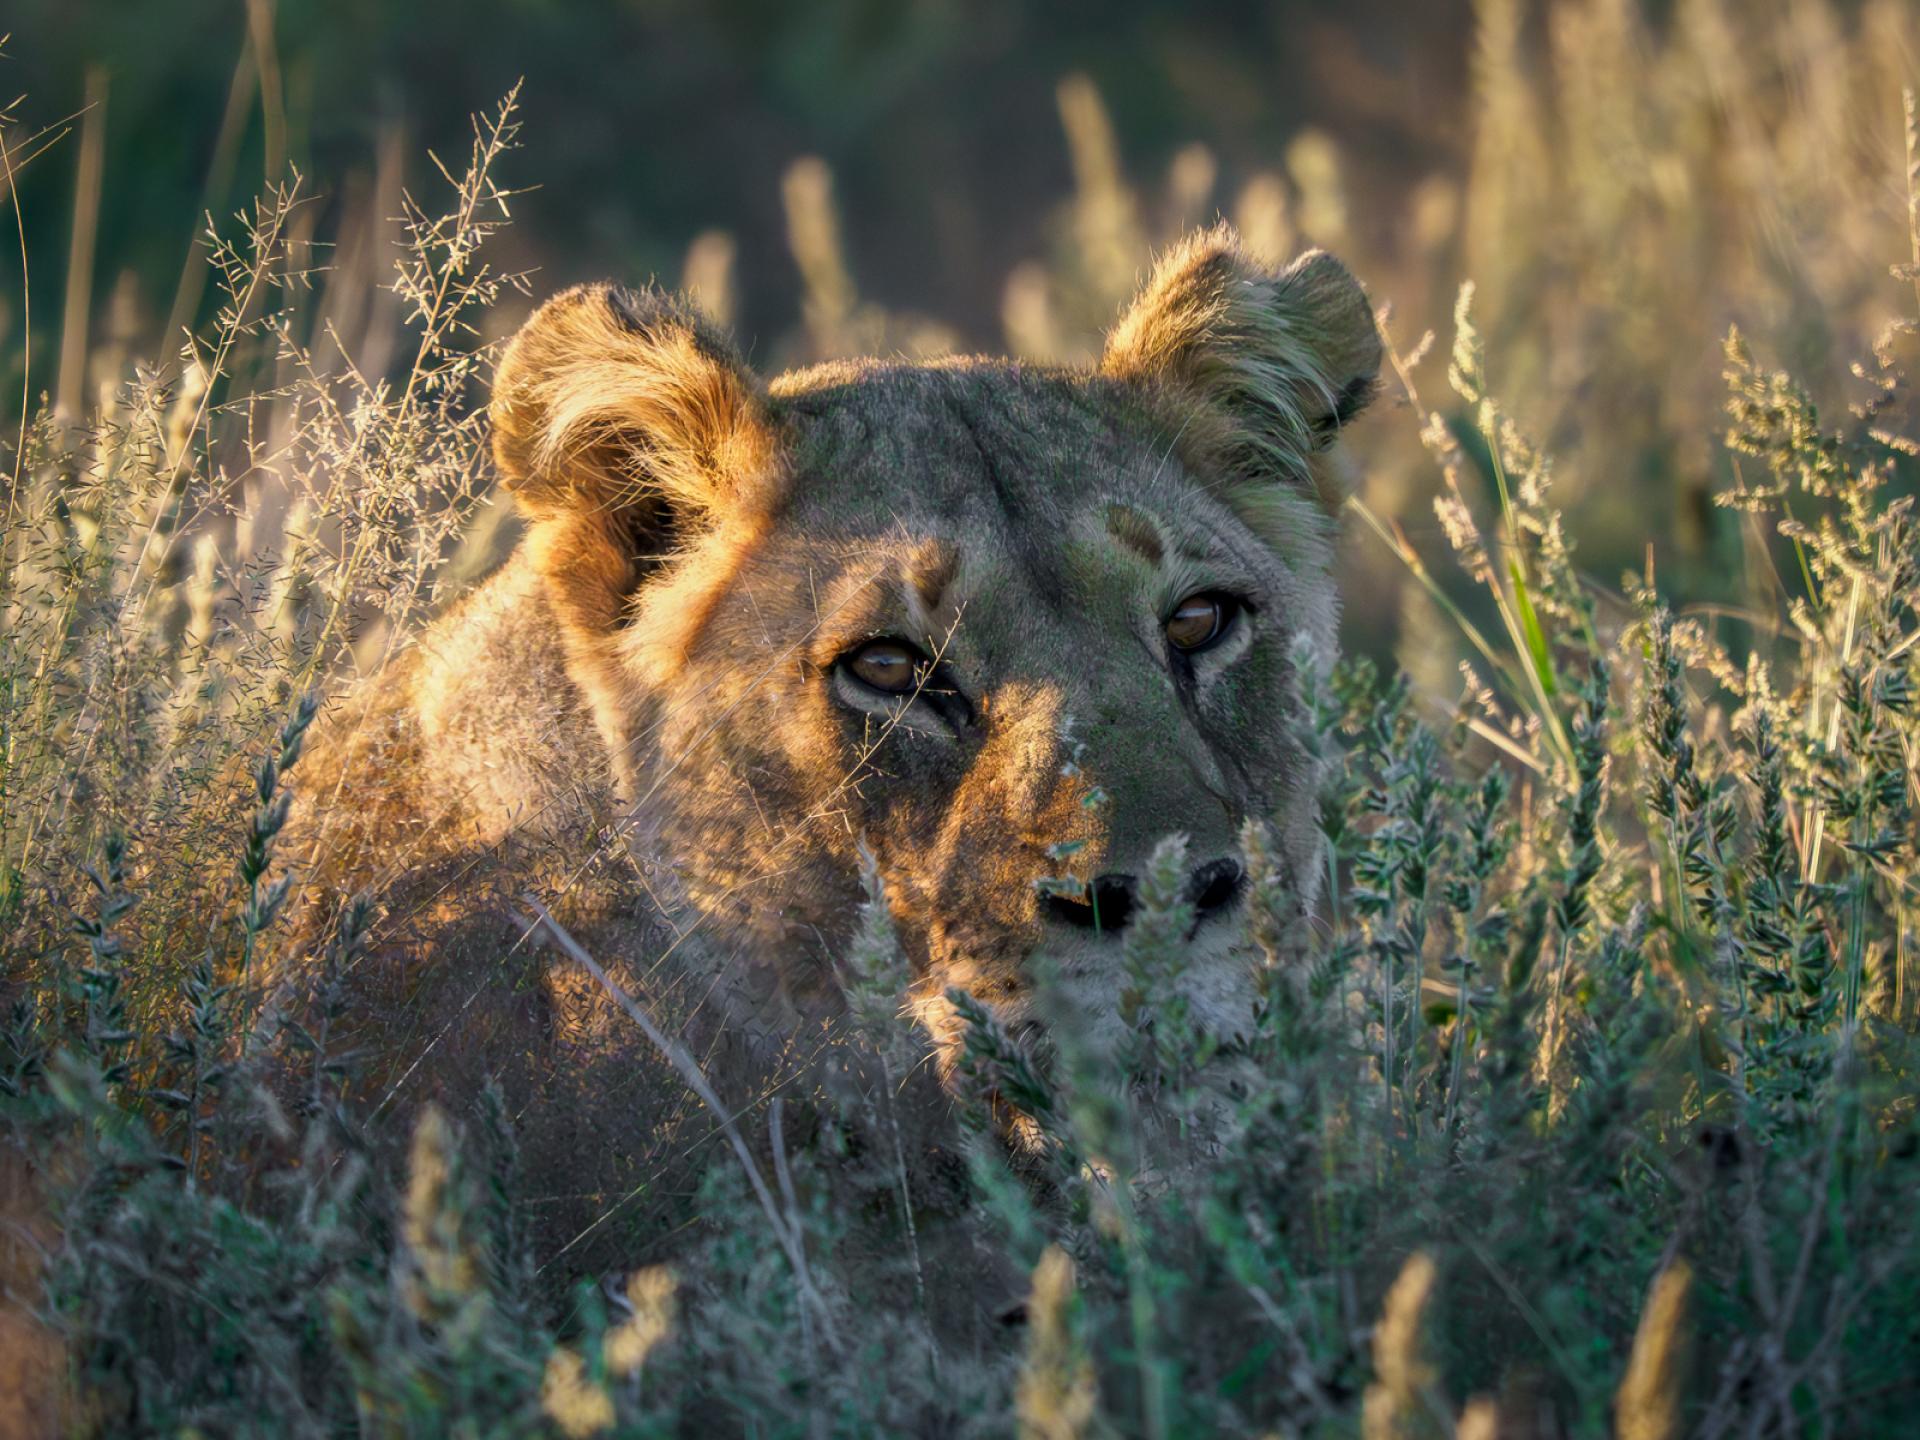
[
  {"x": 1137, "y": 532},
  {"x": 929, "y": 569}
]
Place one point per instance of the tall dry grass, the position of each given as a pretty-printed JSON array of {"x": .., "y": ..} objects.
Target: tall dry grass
[{"x": 1586, "y": 1107}]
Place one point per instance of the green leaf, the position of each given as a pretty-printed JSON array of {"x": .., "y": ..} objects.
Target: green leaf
[{"x": 1537, "y": 650}]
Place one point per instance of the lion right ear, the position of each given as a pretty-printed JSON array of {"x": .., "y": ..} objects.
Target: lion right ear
[
  {"x": 631, "y": 405},
  {"x": 624, "y": 425}
]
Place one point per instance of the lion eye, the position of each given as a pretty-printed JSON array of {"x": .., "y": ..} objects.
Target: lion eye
[
  {"x": 890, "y": 666},
  {"x": 1201, "y": 620}
]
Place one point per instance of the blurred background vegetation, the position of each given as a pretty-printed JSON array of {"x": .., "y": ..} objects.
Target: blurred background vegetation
[
  {"x": 203, "y": 529},
  {"x": 1622, "y": 179}
]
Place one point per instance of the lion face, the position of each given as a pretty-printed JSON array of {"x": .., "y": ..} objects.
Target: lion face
[{"x": 1002, "y": 629}]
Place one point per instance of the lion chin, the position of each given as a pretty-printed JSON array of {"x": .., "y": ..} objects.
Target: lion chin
[{"x": 978, "y": 633}]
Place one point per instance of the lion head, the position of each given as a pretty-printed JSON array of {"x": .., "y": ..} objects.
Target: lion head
[{"x": 1000, "y": 627}]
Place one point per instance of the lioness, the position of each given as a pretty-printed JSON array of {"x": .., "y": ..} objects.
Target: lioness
[{"x": 990, "y": 622}]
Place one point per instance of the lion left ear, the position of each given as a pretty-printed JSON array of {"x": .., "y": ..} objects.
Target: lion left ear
[{"x": 1279, "y": 360}]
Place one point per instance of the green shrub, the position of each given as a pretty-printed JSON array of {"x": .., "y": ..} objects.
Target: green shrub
[{"x": 1585, "y": 1103}]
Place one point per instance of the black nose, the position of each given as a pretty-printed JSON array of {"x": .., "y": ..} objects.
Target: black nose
[
  {"x": 1213, "y": 886},
  {"x": 1109, "y": 905}
]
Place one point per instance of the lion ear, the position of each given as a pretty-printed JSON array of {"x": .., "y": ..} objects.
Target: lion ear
[
  {"x": 628, "y": 403},
  {"x": 624, "y": 424},
  {"x": 1277, "y": 360}
]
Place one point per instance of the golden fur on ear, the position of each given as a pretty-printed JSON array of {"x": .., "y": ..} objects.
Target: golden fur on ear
[
  {"x": 611, "y": 397},
  {"x": 1277, "y": 360},
  {"x": 625, "y": 425}
]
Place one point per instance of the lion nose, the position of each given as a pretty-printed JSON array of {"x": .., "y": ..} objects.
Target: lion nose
[
  {"x": 1213, "y": 886},
  {"x": 1109, "y": 903}
]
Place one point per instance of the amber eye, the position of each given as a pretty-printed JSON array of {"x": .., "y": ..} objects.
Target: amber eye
[
  {"x": 1201, "y": 620},
  {"x": 890, "y": 666}
]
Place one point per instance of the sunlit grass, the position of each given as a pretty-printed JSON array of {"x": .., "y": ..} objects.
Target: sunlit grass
[{"x": 1587, "y": 1091}]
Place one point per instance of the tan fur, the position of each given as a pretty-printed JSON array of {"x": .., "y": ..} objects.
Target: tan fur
[
  {"x": 1273, "y": 360},
  {"x": 602, "y": 415},
  {"x": 647, "y": 719}
]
